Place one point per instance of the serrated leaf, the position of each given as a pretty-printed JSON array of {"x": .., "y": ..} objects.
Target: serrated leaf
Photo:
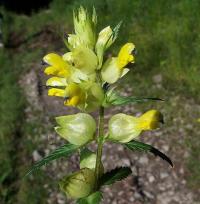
[
  {"x": 116, "y": 30},
  {"x": 63, "y": 151},
  {"x": 120, "y": 100},
  {"x": 136, "y": 145},
  {"x": 114, "y": 175},
  {"x": 94, "y": 198},
  {"x": 113, "y": 98}
]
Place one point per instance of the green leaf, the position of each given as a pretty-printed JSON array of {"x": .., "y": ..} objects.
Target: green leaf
[
  {"x": 136, "y": 145},
  {"x": 112, "y": 98},
  {"x": 63, "y": 151},
  {"x": 116, "y": 30},
  {"x": 114, "y": 175},
  {"x": 120, "y": 100},
  {"x": 94, "y": 198}
]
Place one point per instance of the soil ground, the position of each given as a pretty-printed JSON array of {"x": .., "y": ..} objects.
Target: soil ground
[{"x": 152, "y": 182}]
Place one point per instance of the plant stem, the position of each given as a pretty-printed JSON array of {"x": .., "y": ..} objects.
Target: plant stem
[{"x": 100, "y": 146}]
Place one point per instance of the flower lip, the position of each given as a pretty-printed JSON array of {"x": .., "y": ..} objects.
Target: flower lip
[
  {"x": 66, "y": 35},
  {"x": 43, "y": 63},
  {"x": 106, "y": 86},
  {"x": 134, "y": 51},
  {"x": 66, "y": 98}
]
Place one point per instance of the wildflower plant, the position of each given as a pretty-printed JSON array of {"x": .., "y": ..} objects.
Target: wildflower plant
[{"x": 83, "y": 78}]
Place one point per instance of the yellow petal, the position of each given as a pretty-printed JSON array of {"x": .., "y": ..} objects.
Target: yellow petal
[
  {"x": 54, "y": 60},
  {"x": 74, "y": 101},
  {"x": 56, "y": 92},
  {"x": 75, "y": 95},
  {"x": 57, "y": 66},
  {"x": 150, "y": 120},
  {"x": 125, "y": 55},
  {"x": 56, "y": 81},
  {"x": 57, "y": 71}
]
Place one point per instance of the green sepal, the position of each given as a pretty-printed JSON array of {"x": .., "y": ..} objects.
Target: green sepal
[
  {"x": 112, "y": 98},
  {"x": 114, "y": 175},
  {"x": 63, "y": 151},
  {"x": 140, "y": 146},
  {"x": 94, "y": 198}
]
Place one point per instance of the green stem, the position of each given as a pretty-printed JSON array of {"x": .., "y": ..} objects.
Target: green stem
[{"x": 100, "y": 145}]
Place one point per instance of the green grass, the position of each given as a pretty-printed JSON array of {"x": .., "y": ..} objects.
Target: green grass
[
  {"x": 11, "y": 105},
  {"x": 166, "y": 35}
]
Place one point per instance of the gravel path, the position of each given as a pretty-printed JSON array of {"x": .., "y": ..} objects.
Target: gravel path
[{"x": 152, "y": 182}]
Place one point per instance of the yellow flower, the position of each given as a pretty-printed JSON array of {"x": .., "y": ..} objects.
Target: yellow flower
[
  {"x": 75, "y": 95},
  {"x": 79, "y": 184},
  {"x": 87, "y": 96},
  {"x": 78, "y": 129},
  {"x": 63, "y": 70},
  {"x": 150, "y": 120},
  {"x": 123, "y": 128},
  {"x": 56, "y": 82},
  {"x": 114, "y": 68},
  {"x": 125, "y": 55},
  {"x": 58, "y": 67},
  {"x": 56, "y": 92}
]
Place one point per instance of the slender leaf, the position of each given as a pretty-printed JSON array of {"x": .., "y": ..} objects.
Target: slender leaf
[
  {"x": 120, "y": 100},
  {"x": 94, "y": 198},
  {"x": 63, "y": 151},
  {"x": 114, "y": 175},
  {"x": 136, "y": 145},
  {"x": 116, "y": 30},
  {"x": 113, "y": 98}
]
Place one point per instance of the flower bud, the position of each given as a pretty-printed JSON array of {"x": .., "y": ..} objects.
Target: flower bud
[
  {"x": 88, "y": 160},
  {"x": 78, "y": 129},
  {"x": 79, "y": 184},
  {"x": 123, "y": 128},
  {"x": 85, "y": 29},
  {"x": 105, "y": 39}
]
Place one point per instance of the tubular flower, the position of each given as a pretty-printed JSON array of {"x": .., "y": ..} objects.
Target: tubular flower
[
  {"x": 75, "y": 96},
  {"x": 57, "y": 66},
  {"x": 113, "y": 69},
  {"x": 62, "y": 69},
  {"x": 78, "y": 129},
  {"x": 85, "y": 29},
  {"x": 56, "y": 82},
  {"x": 87, "y": 96},
  {"x": 79, "y": 184},
  {"x": 123, "y": 128},
  {"x": 88, "y": 160}
]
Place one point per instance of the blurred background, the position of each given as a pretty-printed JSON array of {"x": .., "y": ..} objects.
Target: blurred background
[{"x": 167, "y": 38}]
